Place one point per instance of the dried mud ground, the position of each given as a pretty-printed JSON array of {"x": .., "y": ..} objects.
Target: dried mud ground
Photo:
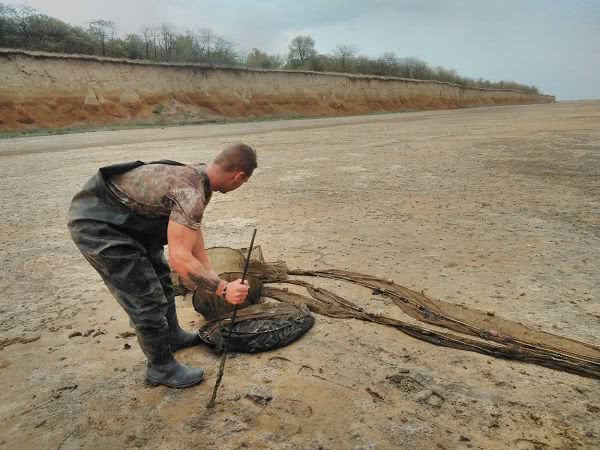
[{"x": 497, "y": 208}]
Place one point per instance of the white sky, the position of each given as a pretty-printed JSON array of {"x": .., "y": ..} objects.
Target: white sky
[{"x": 553, "y": 44}]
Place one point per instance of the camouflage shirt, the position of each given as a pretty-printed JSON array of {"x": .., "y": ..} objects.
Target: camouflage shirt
[{"x": 155, "y": 190}]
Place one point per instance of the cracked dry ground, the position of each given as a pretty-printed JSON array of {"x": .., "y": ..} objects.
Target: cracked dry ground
[{"x": 496, "y": 208}]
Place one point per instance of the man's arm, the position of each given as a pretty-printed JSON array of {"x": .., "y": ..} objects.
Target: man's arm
[
  {"x": 182, "y": 241},
  {"x": 199, "y": 251}
]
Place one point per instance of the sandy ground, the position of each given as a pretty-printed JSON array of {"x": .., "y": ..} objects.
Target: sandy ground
[{"x": 496, "y": 208}]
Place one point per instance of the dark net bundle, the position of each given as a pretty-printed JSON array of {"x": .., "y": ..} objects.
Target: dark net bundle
[{"x": 259, "y": 328}]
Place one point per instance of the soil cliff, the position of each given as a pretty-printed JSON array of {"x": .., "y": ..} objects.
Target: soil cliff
[{"x": 43, "y": 90}]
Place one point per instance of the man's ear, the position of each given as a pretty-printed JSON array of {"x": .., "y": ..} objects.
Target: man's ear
[{"x": 241, "y": 176}]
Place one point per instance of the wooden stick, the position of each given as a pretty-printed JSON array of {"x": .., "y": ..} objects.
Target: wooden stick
[{"x": 211, "y": 404}]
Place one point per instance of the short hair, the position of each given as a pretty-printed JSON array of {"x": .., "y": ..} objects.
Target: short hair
[{"x": 237, "y": 157}]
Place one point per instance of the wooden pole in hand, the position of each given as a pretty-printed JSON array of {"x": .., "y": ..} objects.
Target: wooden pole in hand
[{"x": 211, "y": 404}]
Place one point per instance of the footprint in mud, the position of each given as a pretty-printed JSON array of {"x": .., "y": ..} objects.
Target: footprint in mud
[
  {"x": 293, "y": 407},
  {"x": 90, "y": 332},
  {"x": 279, "y": 362},
  {"x": 429, "y": 397},
  {"x": 260, "y": 395},
  {"x": 264, "y": 398},
  {"x": 422, "y": 394},
  {"x": 405, "y": 382},
  {"x": 259, "y": 400},
  {"x": 306, "y": 369}
]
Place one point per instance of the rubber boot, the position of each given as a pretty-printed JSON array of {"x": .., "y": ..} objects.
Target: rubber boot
[
  {"x": 178, "y": 338},
  {"x": 162, "y": 367}
]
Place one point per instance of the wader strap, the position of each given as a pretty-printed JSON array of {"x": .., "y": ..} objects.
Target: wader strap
[{"x": 166, "y": 161}]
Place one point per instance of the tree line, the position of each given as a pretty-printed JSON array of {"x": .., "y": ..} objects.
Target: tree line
[{"x": 25, "y": 28}]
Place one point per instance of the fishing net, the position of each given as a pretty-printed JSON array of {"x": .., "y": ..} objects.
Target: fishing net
[
  {"x": 468, "y": 328},
  {"x": 228, "y": 263},
  {"x": 213, "y": 307},
  {"x": 259, "y": 328}
]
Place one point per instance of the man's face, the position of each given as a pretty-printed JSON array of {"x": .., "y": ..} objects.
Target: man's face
[{"x": 233, "y": 181}]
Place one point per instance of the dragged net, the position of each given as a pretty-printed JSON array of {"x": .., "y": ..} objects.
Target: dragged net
[{"x": 468, "y": 328}]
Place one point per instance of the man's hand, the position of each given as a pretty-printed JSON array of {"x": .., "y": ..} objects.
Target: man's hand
[{"x": 236, "y": 292}]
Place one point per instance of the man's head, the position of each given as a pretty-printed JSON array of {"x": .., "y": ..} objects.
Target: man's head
[{"x": 232, "y": 167}]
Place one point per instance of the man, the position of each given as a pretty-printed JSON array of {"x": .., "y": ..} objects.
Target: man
[{"x": 121, "y": 221}]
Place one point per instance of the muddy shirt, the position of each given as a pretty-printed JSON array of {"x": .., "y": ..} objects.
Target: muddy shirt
[{"x": 154, "y": 190}]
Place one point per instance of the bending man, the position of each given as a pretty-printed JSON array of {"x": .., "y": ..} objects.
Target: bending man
[{"x": 121, "y": 220}]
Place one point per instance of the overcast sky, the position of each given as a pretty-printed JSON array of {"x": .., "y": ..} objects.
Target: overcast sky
[{"x": 553, "y": 44}]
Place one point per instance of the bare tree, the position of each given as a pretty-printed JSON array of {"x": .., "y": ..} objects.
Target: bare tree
[
  {"x": 149, "y": 34},
  {"x": 210, "y": 46},
  {"x": 223, "y": 50},
  {"x": 186, "y": 46},
  {"x": 7, "y": 26},
  {"x": 167, "y": 39},
  {"x": 155, "y": 36},
  {"x": 206, "y": 41},
  {"x": 388, "y": 64},
  {"x": 102, "y": 30},
  {"x": 134, "y": 46},
  {"x": 345, "y": 55},
  {"x": 417, "y": 68},
  {"x": 302, "y": 49},
  {"x": 450, "y": 76},
  {"x": 258, "y": 58},
  {"x": 5, "y": 10},
  {"x": 21, "y": 16}
]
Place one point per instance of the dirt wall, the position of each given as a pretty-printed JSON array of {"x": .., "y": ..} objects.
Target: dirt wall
[{"x": 41, "y": 90}]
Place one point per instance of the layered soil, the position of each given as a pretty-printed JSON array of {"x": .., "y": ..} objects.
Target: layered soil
[
  {"x": 494, "y": 208},
  {"x": 41, "y": 90}
]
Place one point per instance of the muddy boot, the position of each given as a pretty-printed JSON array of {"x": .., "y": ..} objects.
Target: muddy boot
[
  {"x": 178, "y": 338},
  {"x": 162, "y": 367}
]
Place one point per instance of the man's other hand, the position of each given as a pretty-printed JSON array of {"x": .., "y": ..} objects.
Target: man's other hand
[{"x": 236, "y": 292}]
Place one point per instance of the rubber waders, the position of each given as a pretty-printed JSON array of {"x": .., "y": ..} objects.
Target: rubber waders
[{"x": 162, "y": 367}]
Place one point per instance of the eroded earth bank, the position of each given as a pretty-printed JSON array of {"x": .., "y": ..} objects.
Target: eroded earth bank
[{"x": 47, "y": 91}]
